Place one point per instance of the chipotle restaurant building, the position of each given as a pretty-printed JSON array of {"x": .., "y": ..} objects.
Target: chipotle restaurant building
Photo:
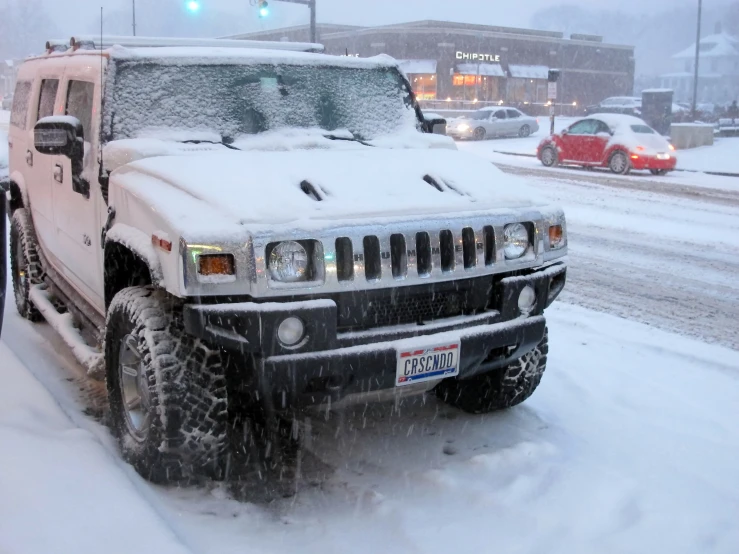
[{"x": 483, "y": 63}]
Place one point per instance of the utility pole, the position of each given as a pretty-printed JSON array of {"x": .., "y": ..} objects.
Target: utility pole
[
  {"x": 697, "y": 61},
  {"x": 133, "y": 4}
]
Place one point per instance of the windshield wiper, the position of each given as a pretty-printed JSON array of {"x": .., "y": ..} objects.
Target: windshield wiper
[
  {"x": 350, "y": 139},
  {"x": 222, "y": 143}
]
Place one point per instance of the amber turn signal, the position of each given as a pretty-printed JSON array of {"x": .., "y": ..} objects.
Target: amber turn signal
[
  {"x": 216, "y": 264},
  {"x": 556, "y": 237}
]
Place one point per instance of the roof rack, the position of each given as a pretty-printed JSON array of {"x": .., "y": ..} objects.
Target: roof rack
[{"x": 90, "y": 42}]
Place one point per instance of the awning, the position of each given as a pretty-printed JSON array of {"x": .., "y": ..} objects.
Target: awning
[
  {"x": 489, "y": 69},
  {"x": 529, "y": 71},
  {"x": 417, "y": 66}
]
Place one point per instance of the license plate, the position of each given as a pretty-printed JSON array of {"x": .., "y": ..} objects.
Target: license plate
[{"x": 426, "y": 363}]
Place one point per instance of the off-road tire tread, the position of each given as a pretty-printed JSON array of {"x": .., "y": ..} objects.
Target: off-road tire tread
[
  {"x": 188, "y": 433},
  {"x": 499, "y": 389},
  {"x": 21, "y": 229}
]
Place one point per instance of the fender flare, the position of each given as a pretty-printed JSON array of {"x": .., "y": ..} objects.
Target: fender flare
[
  {"x": 140, "y": 244},
  {"x": 16, "y": 180}
]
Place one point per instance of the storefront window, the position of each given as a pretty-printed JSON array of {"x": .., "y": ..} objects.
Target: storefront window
[
  {"x": 424, "y": 85},
  {"x": 480, "y": 87},
  {"x": 532, "y": 91}
]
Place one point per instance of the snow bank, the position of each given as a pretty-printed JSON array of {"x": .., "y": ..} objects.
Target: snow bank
[{"x": 61, "y": 488}]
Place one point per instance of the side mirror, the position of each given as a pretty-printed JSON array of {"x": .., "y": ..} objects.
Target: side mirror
[
  {"x": 436, "y": 126},
  {"x": 64, "y": 136},
  {"x": 59, "y": 136}
]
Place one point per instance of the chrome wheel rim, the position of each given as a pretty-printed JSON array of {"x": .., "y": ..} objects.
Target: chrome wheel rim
[
  {"x": 479, "y": 133},
  {"x": 525, "y": 131},
  {"x": 547, "y": 156},
  {"x": 134, "y": 388},
  {"x": 618, "y": 163}
]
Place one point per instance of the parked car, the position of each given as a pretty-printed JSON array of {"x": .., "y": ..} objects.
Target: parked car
[
  {"x": 499, "y": 121},
  {"x": 7, "y": 102},
  {"x": 619, "y": 142},
  {"x": 285, "y": 250},
  {"x": 628, "y": 105}
]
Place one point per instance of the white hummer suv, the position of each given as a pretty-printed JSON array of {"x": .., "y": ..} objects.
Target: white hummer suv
[{"x": 228, "y": 233}]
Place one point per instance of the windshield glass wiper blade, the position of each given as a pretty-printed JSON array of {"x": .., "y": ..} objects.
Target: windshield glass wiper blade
[
  {"x": 350, "y": 139},
  {"x": 232, "y": 147}
]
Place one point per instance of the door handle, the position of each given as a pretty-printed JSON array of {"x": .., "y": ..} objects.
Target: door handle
[
  {"x": 29, "y": 158},
  {"x": 58, "y": 173}
]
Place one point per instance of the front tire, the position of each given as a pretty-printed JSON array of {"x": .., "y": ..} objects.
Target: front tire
[
  {"x": 549, "y": 156},
  {"x": 499, "y": 389},
  {"x": 524, "y": 131},
  {"x": 479, "y": 134},
  {"x": 619, "y": 163},
  {"x": 25, "y": 265},
  {"x": 167, "y": 390}
]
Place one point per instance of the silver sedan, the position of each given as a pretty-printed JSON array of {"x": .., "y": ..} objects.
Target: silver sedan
[{"x": 500, "y": 121}]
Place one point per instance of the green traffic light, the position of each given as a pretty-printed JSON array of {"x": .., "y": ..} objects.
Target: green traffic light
[
  {"x": 263, "y": 11},
  {"x": 193, "y": 6}
]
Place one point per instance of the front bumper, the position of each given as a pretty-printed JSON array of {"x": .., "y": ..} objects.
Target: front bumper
[{"x": 330, "y": 365}]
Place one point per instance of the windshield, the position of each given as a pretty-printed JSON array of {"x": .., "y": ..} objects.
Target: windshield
[
  {"x": 150, "y": 99},
  {"x": 642, "y": 129}
]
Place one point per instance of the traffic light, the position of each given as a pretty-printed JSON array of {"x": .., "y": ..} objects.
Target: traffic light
[
  {"x": 193, "y": 6},
  {"x": 263, "y": 8},
  {"x": 553, "y": 75}
]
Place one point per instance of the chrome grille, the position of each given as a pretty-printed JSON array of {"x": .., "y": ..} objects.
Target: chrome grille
[{"x": 414, "y": 255}]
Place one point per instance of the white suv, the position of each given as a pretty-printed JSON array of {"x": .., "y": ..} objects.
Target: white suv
[{"x": 228, "y": 234}]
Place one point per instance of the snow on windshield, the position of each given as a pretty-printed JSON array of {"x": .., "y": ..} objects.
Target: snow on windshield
[{"x": 150, "y": 99}]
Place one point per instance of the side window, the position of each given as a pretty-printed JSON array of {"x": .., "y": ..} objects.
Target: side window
[
  {"x": 513, "y": 114},
  {"x": 21, "y": 97},
  {"x": 47, "y": 97},
  {"x": 602, "y": 128},
  {"x": 500, "y": 114},
  {"x": 584, "y": 127},
  {"x": 80, "y": 98}
]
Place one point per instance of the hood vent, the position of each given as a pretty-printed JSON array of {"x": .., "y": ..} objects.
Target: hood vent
[
  {"x": 433, "y": 182},
  {"x": 311, "y": 191},
  {"x": 442, "y": 186}
]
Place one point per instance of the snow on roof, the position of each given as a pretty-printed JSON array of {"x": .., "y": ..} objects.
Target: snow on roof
[
  {"x": 720, "y": 44},
  {"x": 211, "y": 55},
  {"x": 617, "y": 120},
  {"x": 490, "y": 69},
  {"x": 529, "y": 71}
]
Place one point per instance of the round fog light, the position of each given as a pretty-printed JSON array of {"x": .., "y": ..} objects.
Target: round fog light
[
  {"x": 291, "y": 331},
  {"x": 527, "y": 299}
]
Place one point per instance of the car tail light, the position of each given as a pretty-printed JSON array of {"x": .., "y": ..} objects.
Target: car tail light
[{"x": 672, "y": 147}]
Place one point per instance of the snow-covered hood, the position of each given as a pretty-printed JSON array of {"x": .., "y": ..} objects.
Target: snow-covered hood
[{"x": 298, "y": 187}]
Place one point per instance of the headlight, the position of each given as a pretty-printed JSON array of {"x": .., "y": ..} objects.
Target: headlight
[
  {"x": 516, "y": 240},
  {"x": 462, "y": 127},
  {"x": 289, "y": 262}
]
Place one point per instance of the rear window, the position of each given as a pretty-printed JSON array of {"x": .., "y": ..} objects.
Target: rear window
[
  {"x": 19, "y": 114},
  {"x": 642, "y": 129}
]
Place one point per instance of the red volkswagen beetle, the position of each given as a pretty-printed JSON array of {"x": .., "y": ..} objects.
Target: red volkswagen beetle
[{"x": 619, "y": 142}]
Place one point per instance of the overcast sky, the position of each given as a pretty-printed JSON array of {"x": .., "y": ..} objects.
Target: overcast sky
[{"x": 70, "y": 13}]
